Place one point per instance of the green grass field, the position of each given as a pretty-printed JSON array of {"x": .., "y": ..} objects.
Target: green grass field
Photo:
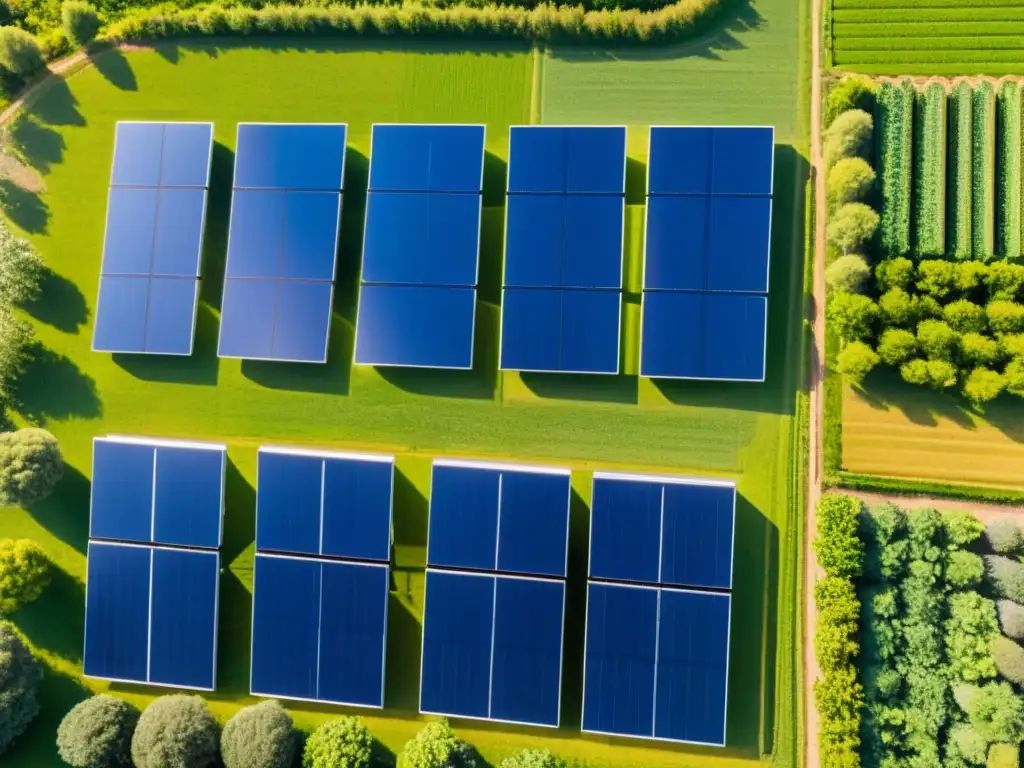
[
  {"x": 746, "y": 432},
  {"x": 928, "y": 37}
]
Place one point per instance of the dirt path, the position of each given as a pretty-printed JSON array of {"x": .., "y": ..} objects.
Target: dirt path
[
  {"x": 984, "y": 512},
  {"x": 53, "y": 68}
]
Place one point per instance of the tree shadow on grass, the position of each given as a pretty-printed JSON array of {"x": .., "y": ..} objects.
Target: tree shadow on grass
[
  {"x": 56, "y": 621},
  {"x": 199, "y": 368},
  {"x": 40, "y": 145},
  {"x": 36, "y": 748},
  {"x": 53, "y": 387},
  {"x": 112, "y": 64},
  {"x": 60, "y": 303},
  {"x": 23, "y": 207},
  {"x": 55, "y": 104},
  {"x": 65, "y": 513}
]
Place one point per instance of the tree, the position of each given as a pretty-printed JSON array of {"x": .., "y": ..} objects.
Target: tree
[
  {"x": 97, "y": 733},
  {"x": 1009, "y": 658},
  {"x": 964, "y": 569},
  {"x": 340, "y": 743},
  {"x": 896, "y": 346},
  {"x": 24, "y": 573},
  {"x": 965, "y": 317},
  {"x": 1003, "y": 756},
  {"x": 20, "y": 51},
  {"x": 1014, "y": 376},
  {"x": 983, "y": 385},
  {"x": 19, "y": 683},
  {"x": 15, "y": 338},
  {"x": 1004, "y": 280},
  {"x": 894, "y": 273},
  {"x": 993, "y": 709},
  {"x": 852, "y": 227},
  {"x": 970, "y": 275},
  {"x": 533, "y": 758},
  {"x": 259, "y": 736},
  {"x": 1004, "y": 536},
  {"x": 1011, "y": 618},
  {"x": 936, "y": 278},
  {"x": 80, "y": 21},
  {"x": 848, "y": 136},
  {"x": 1012, "y": 344},
  {"x": 937, "y": 340},
  {"x": 980, "y": 350},
  {"x": 838, "y": 544},
  {"x": 915, "y": 372},
  {"x": 969, "y": 632},
  {"x": 847, "y": 273},
  {"x": 1005, "y": 577},
  {"x": 31, "y": 465},
  {"x": 176, "y": 732},
  {"x": 21, "y": 269},
  {"x": 1005, "y": 316},
  {"x": 850, "y": 180},
  {"x": 962, "y": 528},
  {"x": 941, "y": 374},
  {"x": 851, "y": 93},
  {"x": 855, "y": 361},
  {"x": 898, "y": 308},
  {"x": 970, "y": 744},
  {"x": 436, "y": 747},
  {"x": 851, "y": 316},
  {"x": 883, "y": 529}
]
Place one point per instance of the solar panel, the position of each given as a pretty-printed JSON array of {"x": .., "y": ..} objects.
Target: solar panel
[
  {"x": 319, "y": 630},
  {"x": 324, "y": 503},
  {"x": 283, "y": 241},
  {"x": 499, "y": 517},
  {"x": 157, "y": 491},
  {"x": 492, "y": 647},
  {"x": 662, "y": 530},
  {"x": 567, "y": 159},
  {"x": 156, "y": 208},
  {"x": 702, "y": 160},
  {"x": 421, "y": 247},
  {"x": 151, "y": 615},
  {"x": 656, "y": 663}
]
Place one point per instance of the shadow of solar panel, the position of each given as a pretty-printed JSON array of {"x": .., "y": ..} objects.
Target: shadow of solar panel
[{"x": 427, "y": 158}]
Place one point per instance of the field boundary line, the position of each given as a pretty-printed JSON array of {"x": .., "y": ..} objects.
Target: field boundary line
[{"x": 540, "y": 54}]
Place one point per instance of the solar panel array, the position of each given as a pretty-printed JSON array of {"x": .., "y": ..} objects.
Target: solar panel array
[
  {"x": 153, "y": 562},
  {"x": 563, "y": 254},
  {"x": 657, "y": 655},
  {"x": 494, "y": 613},
  {"x": 283, "y": 241},
  {"x": 417, "y": 298},
  {"x": 707, "y": 253},
  {"x": 152, "y": 247},
  {"x": 320, "y": 587}
]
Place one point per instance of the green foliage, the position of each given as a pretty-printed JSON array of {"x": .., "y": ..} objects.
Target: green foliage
[
  {"x": 80, "y": 21},
  {"x": 259, "y": 736},
  {"x": 15, "y": 338},
  {"x": 1013, "y": 376},
  {"x": 965, "y": 317},
  {"x": 1005, "y": 577},
  {"x": 1009, "y": 658},
  {"x": 1004, "y": 281},
  {"x": 964, "y": 569},
  {"x": 835, "y": 639},
  {"x": 852, "y": 226},
  {"x": 850, "y": 180},
  {"x": 851, "y": 316},
  {"x": 436, "y": 747},
  {"x": 1003, "y": 756},
  {"x": 24, "y": 573},
  {"x": 1008, "y": 181},
  {"x": 937, "y": 340},
  {"x": 1012, "y": 344},
  {"x": 838, "y": 545},
  {"x": 19, "y": 52},
  {"x": 855, "y": 361},
  {"x": 21, "y": 269},
  {"x": 970, "y": 275},
  {"x": 97, "y": 733},
  {"x": 847, "y": 273},
  {"x": 983, "y": 164},
  {"x": 962, "y": 528},
  {"x": 883, "y": 528},
  {"x": 896, "y": 346},
  {"x": 850, "y": 93},
  {"x": 19, "y": 683},
  {"x": 930, "y": 172},
  {"x": 983, "y": 385},
  {"x": 533, "y": 758},
  {"x": 959, "y": 242},
  {"x": 1004, "y": 536},
  {"x": 894, "y": 113},
  {"x": 995, "y": 711},
  {"x": 344, "y": 742},
  {"x": 849, "y": 135},
  {"x": 898, "y": 309},
  {"x": 936, "y": 278},
  {"x": 938, "y": 374},
  {"x": 875, "y": 484},
  {"x": 1011, "y": 618},
  {"x": 176, "y": 732},
  {"x": 31, "y": 465},
  {"x": 969, "y": 632},
  {"x": 1005, "y": 317},
  {"x": 968, "y": 743},
  {"x": 979, "y": 350},
  {"x": 894, "y": 273}
]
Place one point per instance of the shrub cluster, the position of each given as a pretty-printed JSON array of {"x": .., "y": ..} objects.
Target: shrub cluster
[
  {"x": 850, "y": 93},
  {"x": 436, "y": 746},
  {"x": 260, "y": 736},
  {"x": 31, "y": 465},
  {"x": 930, "y": 172},
  {"x": 19, "y": 684},
  {"x": 341, "y": 743},
  {"x": 24, "y": 573},
  {"x": 894, "y": 115},
  {"x": 176, "y": 732},
  {"x": 80, "y": 21},
  {"x": 1008, "y": 182},
  {"x": 97, "y": 733}
]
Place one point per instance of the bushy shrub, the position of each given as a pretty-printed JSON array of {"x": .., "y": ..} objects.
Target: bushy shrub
[
  {"x": 958, "y": 244},
  {"x": 1003, "y": 756},
  {"x": 838, "y": 544},
  {"x": 24, "y": 573},
  {"x": 849, "y": 135},
  {"x": 970, "y": 276},
  {"x": 883, "y": 529},
  {"x": 930, "y": 172},
  {"x": 31, "y": 465},
  {"x": 964, "y": 569},
  {"x": 21, "y": 269},
  {"x": 1012, "y": 344},
  {"x": 852, "y": 226},
  {"x": 894, "y": 273},
  {"x": 838, "y": 695},
  {"x": 1005, "y": 577},
  {"x": 937, "y": 340},
  {"x": 896, "y": 346},
  {"x": 97, "y": 733},
  {"x": 259, "y": 736},
  {"x": 19, "y": 683},
  {"x": 851, "y": 316},
  {"x": 15, "y": 338},
  {"x": 850, "y": 93},
  {"x": 937, "y": 278},
  {"x": 898, "y": 309},
  {"x": 850, "y": 180},
  {"x": 962, "y": 528},
  {"x": 983, "y": 385},
  {"x": 1004, "y": 281},
  {"x": 970, "y": 630},
  {"x": 437, "y": 747},
  {"x": 968, "y": 743},
  {"x": 1005, "y": 317},
  {"x": 938, "y": 374},
  {"x": 176, "y": 732},
  {"x": 979, "y": 350},
  {"x": 964, "y": 316},
  {"x": 995, "y": 711},
  {"x": 344, "y": 742},
  {"x": 20, "y": 52},
  {"x": 80, "y": 21},
  {"x": 855, "y": 361},
  {"x": 533, "y": 758},
  {"x": 1004, "y": 536},
  {"x": 1011, "y": 618},
  {"x": 847, "y": 273},
  {"x": 1013, "y": 377},
  {"x": 1009, "y": 658}
]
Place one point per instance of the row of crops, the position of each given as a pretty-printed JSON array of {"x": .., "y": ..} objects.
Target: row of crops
[
  {"x": 949, "y": 168},
  {"x": 928, "y": 36}
]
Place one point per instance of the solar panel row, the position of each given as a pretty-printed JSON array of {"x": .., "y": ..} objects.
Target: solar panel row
[
  {"x": 707, "y": 253},
  {"x": 564, "y": 227}
]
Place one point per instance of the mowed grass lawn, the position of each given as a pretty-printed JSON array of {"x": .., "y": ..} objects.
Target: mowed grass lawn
[{"x": 736, "y": 431}]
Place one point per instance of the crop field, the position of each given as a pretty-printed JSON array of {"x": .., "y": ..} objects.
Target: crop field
[
  {"x": 739, "y": 431},
  {"x": 928, "y": 37}
]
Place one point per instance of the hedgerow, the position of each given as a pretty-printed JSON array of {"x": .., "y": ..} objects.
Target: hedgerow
[
  {"x": 894, "y": 143},
  {"x": 1008, "y": 214},
  {"x": 930, "y": 172},
  {"x": 958, "y": 244},
  {"x": 983, "y": 164}
]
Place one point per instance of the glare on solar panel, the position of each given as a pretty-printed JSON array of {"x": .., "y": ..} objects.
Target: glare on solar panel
[
  {"x": 294, "y": 156},
  {"x": 149, "y": 154}
]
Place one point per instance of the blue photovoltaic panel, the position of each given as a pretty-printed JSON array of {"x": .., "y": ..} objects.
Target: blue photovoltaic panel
[
  {"x": 117, "y": 612},
  {"x": 496, "y": 517},
  {"x": 128, "y": 239},
  {"x": 413, "y": 325},
  {"x": 290, "y": 156},
  {"x": 251, "y": 334},
  {"x": 122, "y": 491},
  {"x": 738, "y": 244},
  {"x": 572, "y": 241},
  {"x": 492, "y": 647},
  {"x": 619, "y": 660},
  {"x": 421, "y": 239},
  {"x": 679, "y": 160},
  {"x": 656, "y": 663},
  {"x": 697, "y": 535},
  {"x": 676, "y": 249},
  {"x": 324, "y": 504},
  {"x": 140, "y": 314},
  {"x": 319, "y": 630},
  {"x": 742, "y": 162},
  {"x": 693, "y": 662},
  {"x": 704, "y": 336},
  {"x": 568, "y": 331},
  {"x": 162, "y": 154},
  {"x": 427, "y": 158},
  {"x": 171, "y": 318},
  {"x": 625, "y": 529},
  {"x": 573, "y": 160}
]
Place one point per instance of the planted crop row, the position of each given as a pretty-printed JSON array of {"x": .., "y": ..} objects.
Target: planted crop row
[
  {"x": 894, "y": 129},
  {"x": 880, "y": 43},
  {"x": 949, "y": 68},
  {"x": 930, "y": 172},
  {"x": 842, "y": 4},
  {"x": 959, "y": 198},
  {"x": 1008, "y": 145},
  {"x": 914, "y": 29},
  {"x": 877, "y": 15},
  {"x": 923, "y": 57},
  {"x": 983, "y": 171}
]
